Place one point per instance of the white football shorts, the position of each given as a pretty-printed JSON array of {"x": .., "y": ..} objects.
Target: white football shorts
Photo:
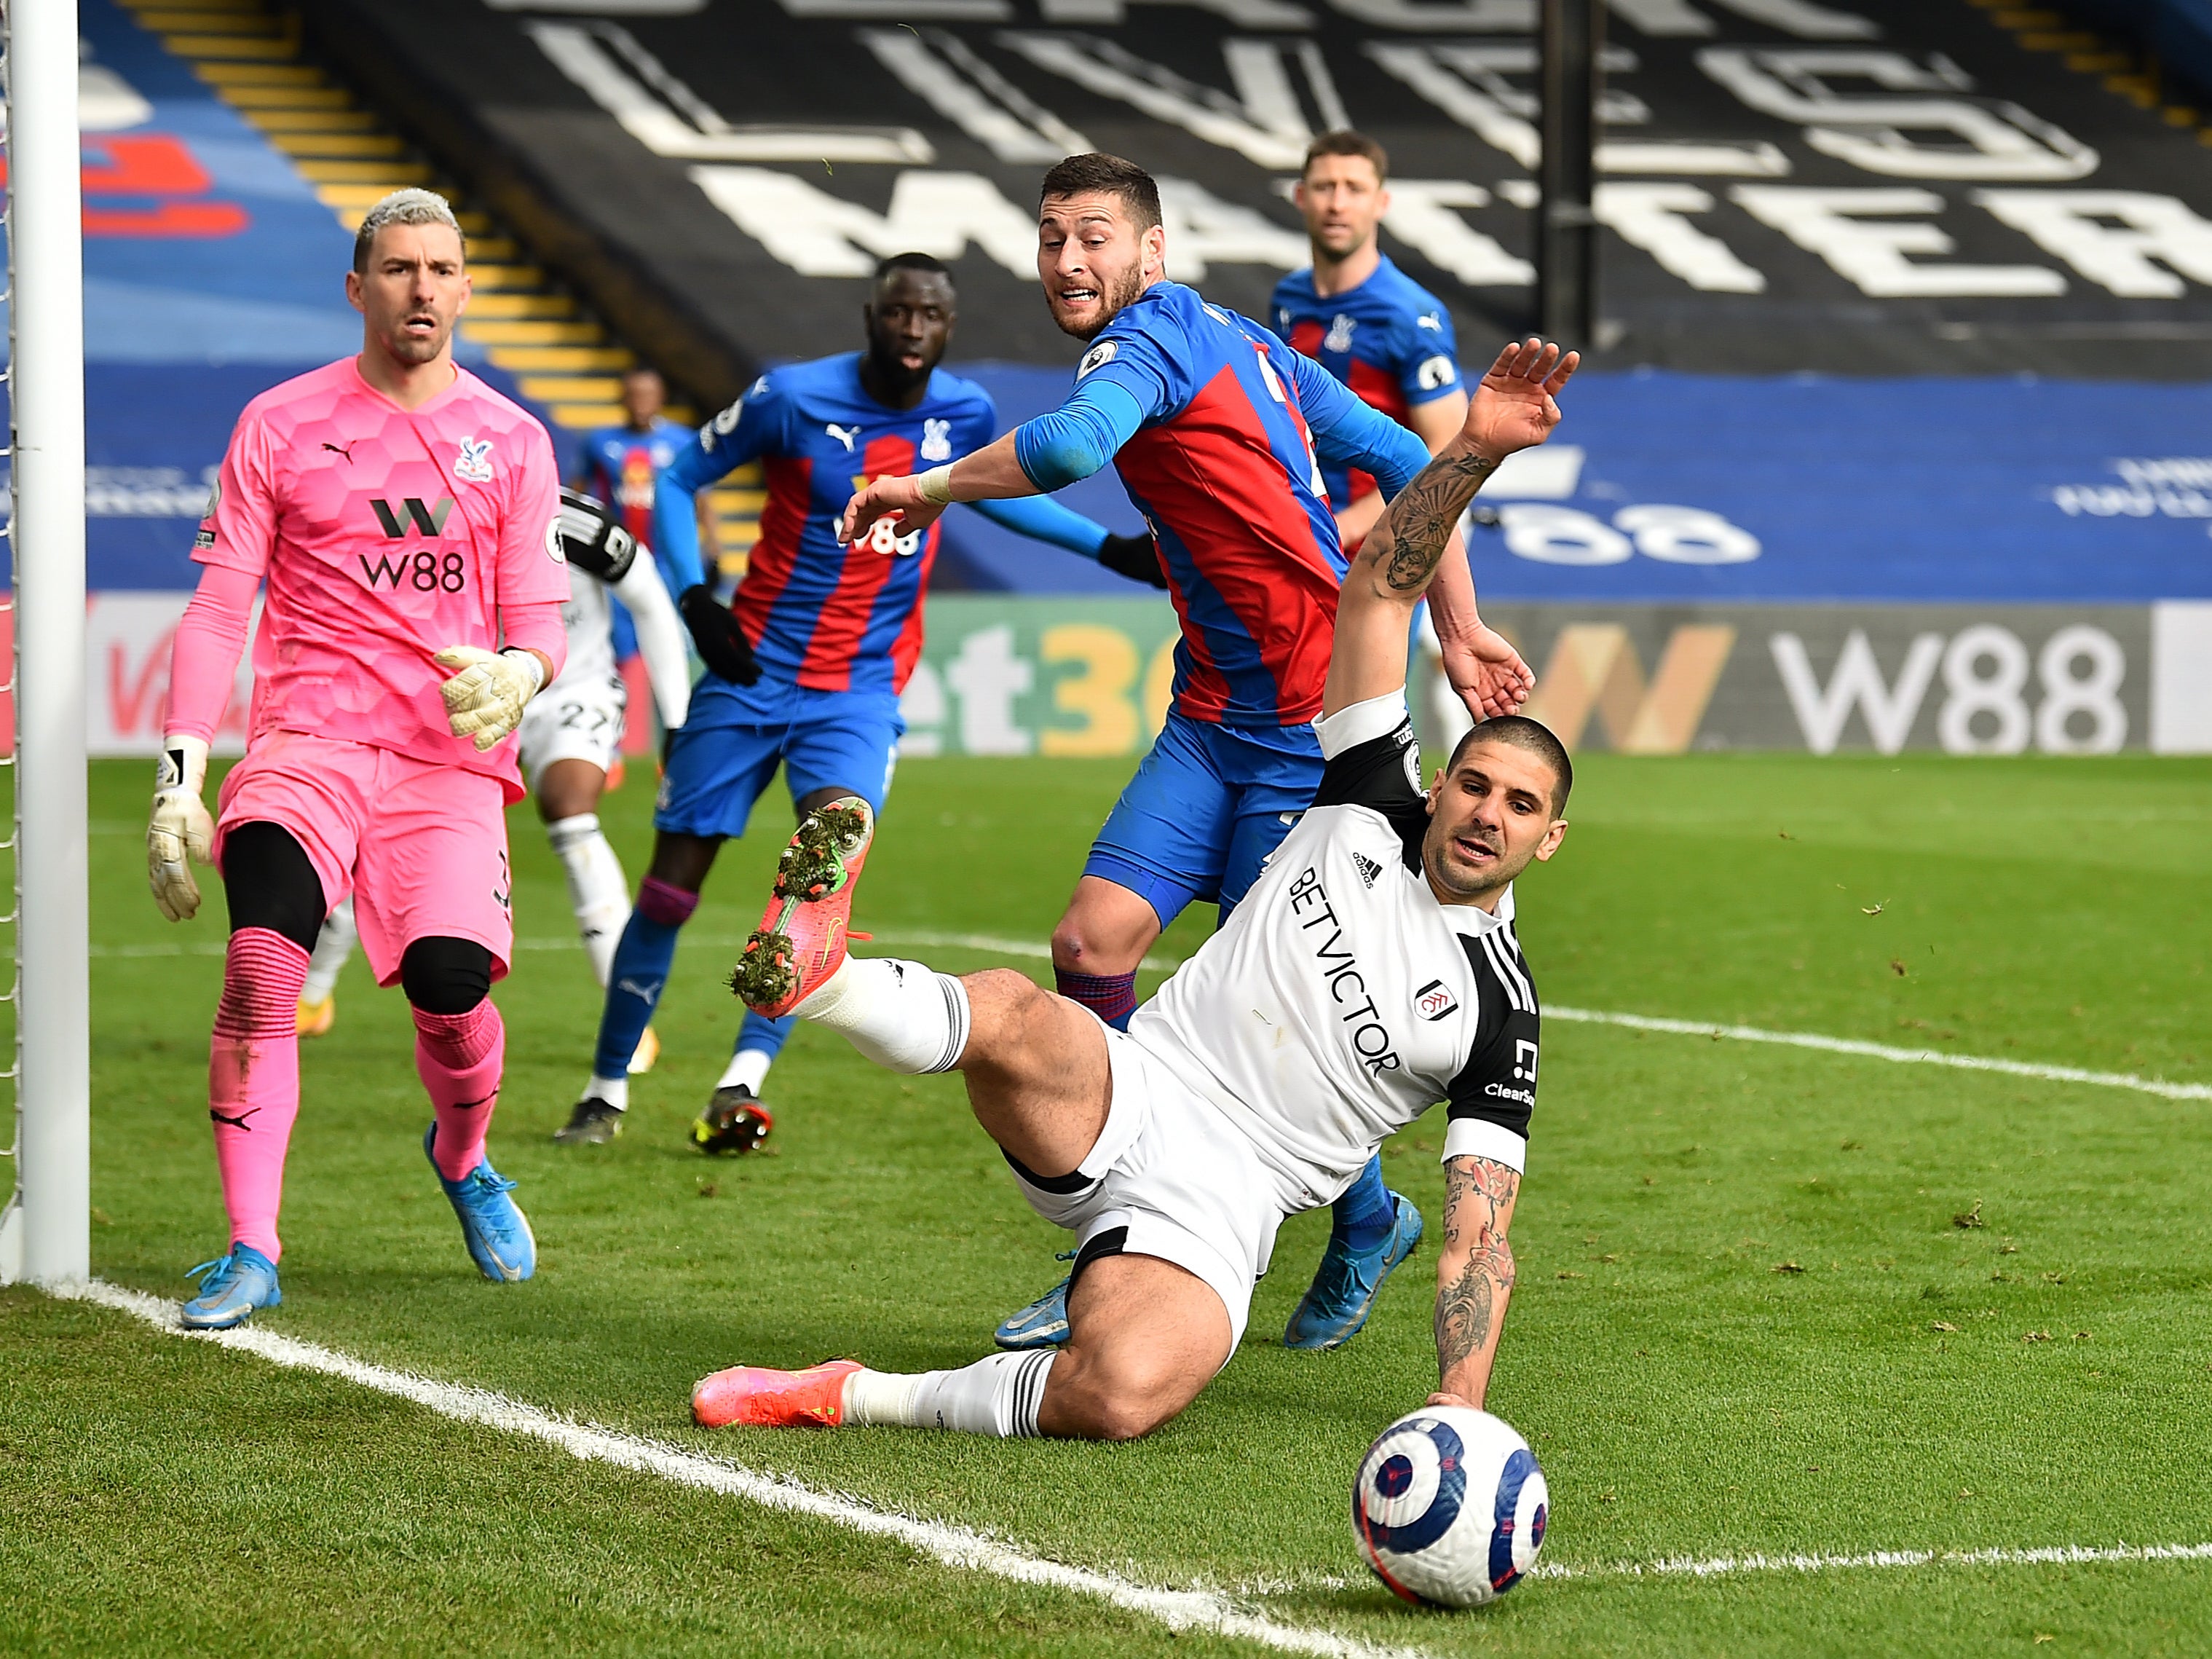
[
  {"x": 1169, "y": 1177},
  {"x": 579, "y": 721}
]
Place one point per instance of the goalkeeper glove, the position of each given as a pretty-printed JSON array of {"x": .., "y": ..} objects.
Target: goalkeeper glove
[
  {"x": 1135, "y": 557},
  {"x": 181, "y": 830},
  {"x": 722, "y": 644},
  {"x": 484, "y": 699}
]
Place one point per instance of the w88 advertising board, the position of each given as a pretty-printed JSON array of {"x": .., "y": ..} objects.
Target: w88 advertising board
[{"x": 1081, "y": 676}]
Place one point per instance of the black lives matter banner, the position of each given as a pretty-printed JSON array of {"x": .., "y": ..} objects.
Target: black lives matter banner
[{"x": 1891, "y": 188}]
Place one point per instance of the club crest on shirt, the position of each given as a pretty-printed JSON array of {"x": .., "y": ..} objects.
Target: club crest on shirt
[
  {"x": 1434, "y": 1000},
  {"x": 1338, "y": 338},
  {"x": 936, "y": 441},
  {"x": 1097, "y": 357},
  {"x": 473, "y": 466}
]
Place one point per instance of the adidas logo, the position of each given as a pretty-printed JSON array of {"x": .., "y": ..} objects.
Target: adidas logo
[{"x": 1368, "y": 870}]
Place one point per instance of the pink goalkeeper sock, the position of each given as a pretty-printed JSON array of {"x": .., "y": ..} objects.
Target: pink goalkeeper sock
[
  {"x": 459, "y": 1057},
  {"x": 254, "y": 1080}
]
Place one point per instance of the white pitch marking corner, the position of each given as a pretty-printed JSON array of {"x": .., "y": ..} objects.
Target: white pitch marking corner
[{"x": 956, "y": 1547}]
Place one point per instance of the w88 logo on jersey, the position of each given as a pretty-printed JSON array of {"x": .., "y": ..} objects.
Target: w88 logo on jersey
[{"x": 883, "y": 538}]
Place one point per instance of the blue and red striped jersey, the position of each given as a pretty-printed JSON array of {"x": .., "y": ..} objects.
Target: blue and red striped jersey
[
  {"x": 618, "y": 466},
  {"x": 1222, "y": 466},
  {"x": 1389, "y": 339},
  {"x": 822, "y": 615}
]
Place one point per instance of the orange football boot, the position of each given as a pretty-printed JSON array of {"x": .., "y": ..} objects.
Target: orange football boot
[
  {"x": 753, "y": 1396},
  {"x": 802, "y": 939}
]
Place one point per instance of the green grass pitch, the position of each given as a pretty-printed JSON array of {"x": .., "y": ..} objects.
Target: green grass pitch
[{"x": 1745, "y": 1321}]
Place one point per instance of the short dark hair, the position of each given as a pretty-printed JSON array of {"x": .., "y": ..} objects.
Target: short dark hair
[
  {"x": 1345, "y": 142},
  {"x": 1079, "y": 175},
  {"x": 929, "y": 264},
  {"x": 1519, "y": 732}
]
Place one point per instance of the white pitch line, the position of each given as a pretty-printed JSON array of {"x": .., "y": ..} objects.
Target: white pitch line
[
  {"x": 2148, "y": 1085},
  {"x": 1723, "y": 1567},
  {"x": 1037, "y": 950},
  {"x": 956, "y": 1547},
  {"x": 2038, "y": 1556}
]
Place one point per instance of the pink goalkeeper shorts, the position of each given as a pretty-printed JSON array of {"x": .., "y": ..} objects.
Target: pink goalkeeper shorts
[{"x": 421, "y": 847}]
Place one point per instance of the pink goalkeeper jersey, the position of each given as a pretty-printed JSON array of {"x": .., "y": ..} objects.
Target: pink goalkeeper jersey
[{"x": 385, "y": 535}]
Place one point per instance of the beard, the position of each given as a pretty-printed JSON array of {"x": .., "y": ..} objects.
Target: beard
[
  {"x": 1114, "y": 297},
  {"x": 1467, "y": 884},
  {"x": 416, "y": 348},
  {"x": 895, "y": 377}
]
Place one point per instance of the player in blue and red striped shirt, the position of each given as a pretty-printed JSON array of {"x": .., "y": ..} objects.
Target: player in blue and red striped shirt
[
  {"x": 1219, "y": 431},
  {"x": 806, "y": 664},
  {"x": 1354, "y": 312}
]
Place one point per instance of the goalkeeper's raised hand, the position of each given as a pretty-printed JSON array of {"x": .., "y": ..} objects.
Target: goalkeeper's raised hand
[
  {"x": 722, "y": 644},
  {"x": 489, "y": 690},
  {"x": 180, "y": 831}
]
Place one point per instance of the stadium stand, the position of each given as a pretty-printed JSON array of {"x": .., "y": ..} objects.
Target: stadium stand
[
  {"x": 1892, "y": 437},
  {"x": 811, "y": 132}
]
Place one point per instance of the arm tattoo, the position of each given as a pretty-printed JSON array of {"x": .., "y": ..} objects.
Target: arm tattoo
[
  {"x": 1479, "y": 1193},
  {"x": 1407, "y": 546}
]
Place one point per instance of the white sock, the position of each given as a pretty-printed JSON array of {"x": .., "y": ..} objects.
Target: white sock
[
  {"x": 598, "y": 892},
  {"x": 999, "y": 1396},
  {"x": 903, "y": 1015},
  {"x": 614, "y": 1090},
  {"x": 333, "y": 944},
  {"x": 748, "y": 1069}
]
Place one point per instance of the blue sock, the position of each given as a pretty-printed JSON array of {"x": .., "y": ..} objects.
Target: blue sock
[
  {"x": 642, "y": 959},
  {"x": 763, "y": 1034},
  {"x": 1363, "y": 1216}
]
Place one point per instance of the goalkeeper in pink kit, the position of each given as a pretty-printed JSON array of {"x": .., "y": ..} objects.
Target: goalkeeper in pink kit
[{"x": 403, "y": 517}]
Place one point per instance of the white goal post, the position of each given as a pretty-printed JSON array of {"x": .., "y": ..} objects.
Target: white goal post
[{"x": 46, "y": 1235}]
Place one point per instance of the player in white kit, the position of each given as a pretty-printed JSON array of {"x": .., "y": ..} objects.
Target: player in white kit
[
  {"x": 570, "y": 736},
  {"x": 1368, "y": 975}
]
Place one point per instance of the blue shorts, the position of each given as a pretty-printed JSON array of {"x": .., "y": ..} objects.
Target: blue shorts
[
  {"x": 718, "y": 768},
  {"x": 1207, "y": 808}
]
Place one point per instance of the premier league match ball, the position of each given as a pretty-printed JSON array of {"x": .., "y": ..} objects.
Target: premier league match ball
[{"x": 1450, "y": 1507}]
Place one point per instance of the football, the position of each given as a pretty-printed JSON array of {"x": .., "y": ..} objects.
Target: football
[{"x": 1450, "y": 1507}]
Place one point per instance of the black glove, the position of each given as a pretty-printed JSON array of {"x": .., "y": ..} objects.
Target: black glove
[
  {"x": 591, "y": 540},
  {"x": 722, "y": 644},
  {"x": 1135, "y": 557}
]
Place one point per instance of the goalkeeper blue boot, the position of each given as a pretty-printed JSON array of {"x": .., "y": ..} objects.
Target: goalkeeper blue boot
[
  {"x": 231, "y": 1287},
  {"x": 1336, "y": 1305},
  {"x": 1041, "y": 1324},
  {"x": 493, "y": 1224}
]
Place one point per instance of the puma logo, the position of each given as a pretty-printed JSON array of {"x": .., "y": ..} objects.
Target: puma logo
[
  {"x": 238, "y": 1123},
  {"x": 347, "y": 451}
]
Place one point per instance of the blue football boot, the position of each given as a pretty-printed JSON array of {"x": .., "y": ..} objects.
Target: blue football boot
[
  {"x": 492, "y": 1224},
  {"x": 1336, "y": 1305},
  {"x": 231, "y": 1287},
  {"x": 1043, "y": 1324}
]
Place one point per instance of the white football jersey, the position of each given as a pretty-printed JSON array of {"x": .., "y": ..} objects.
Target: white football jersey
[
  {"x": 589, "y": 621},
  {"x": 1342, "y": 1000}
]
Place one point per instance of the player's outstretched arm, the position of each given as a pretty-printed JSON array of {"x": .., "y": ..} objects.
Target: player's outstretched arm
[
  {"x": 1475, "y": 1277},
  {"x": 1049, "y": 452},
  {"x": 660, "y": 641},
  {"x": 1513, "y": 409}
]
